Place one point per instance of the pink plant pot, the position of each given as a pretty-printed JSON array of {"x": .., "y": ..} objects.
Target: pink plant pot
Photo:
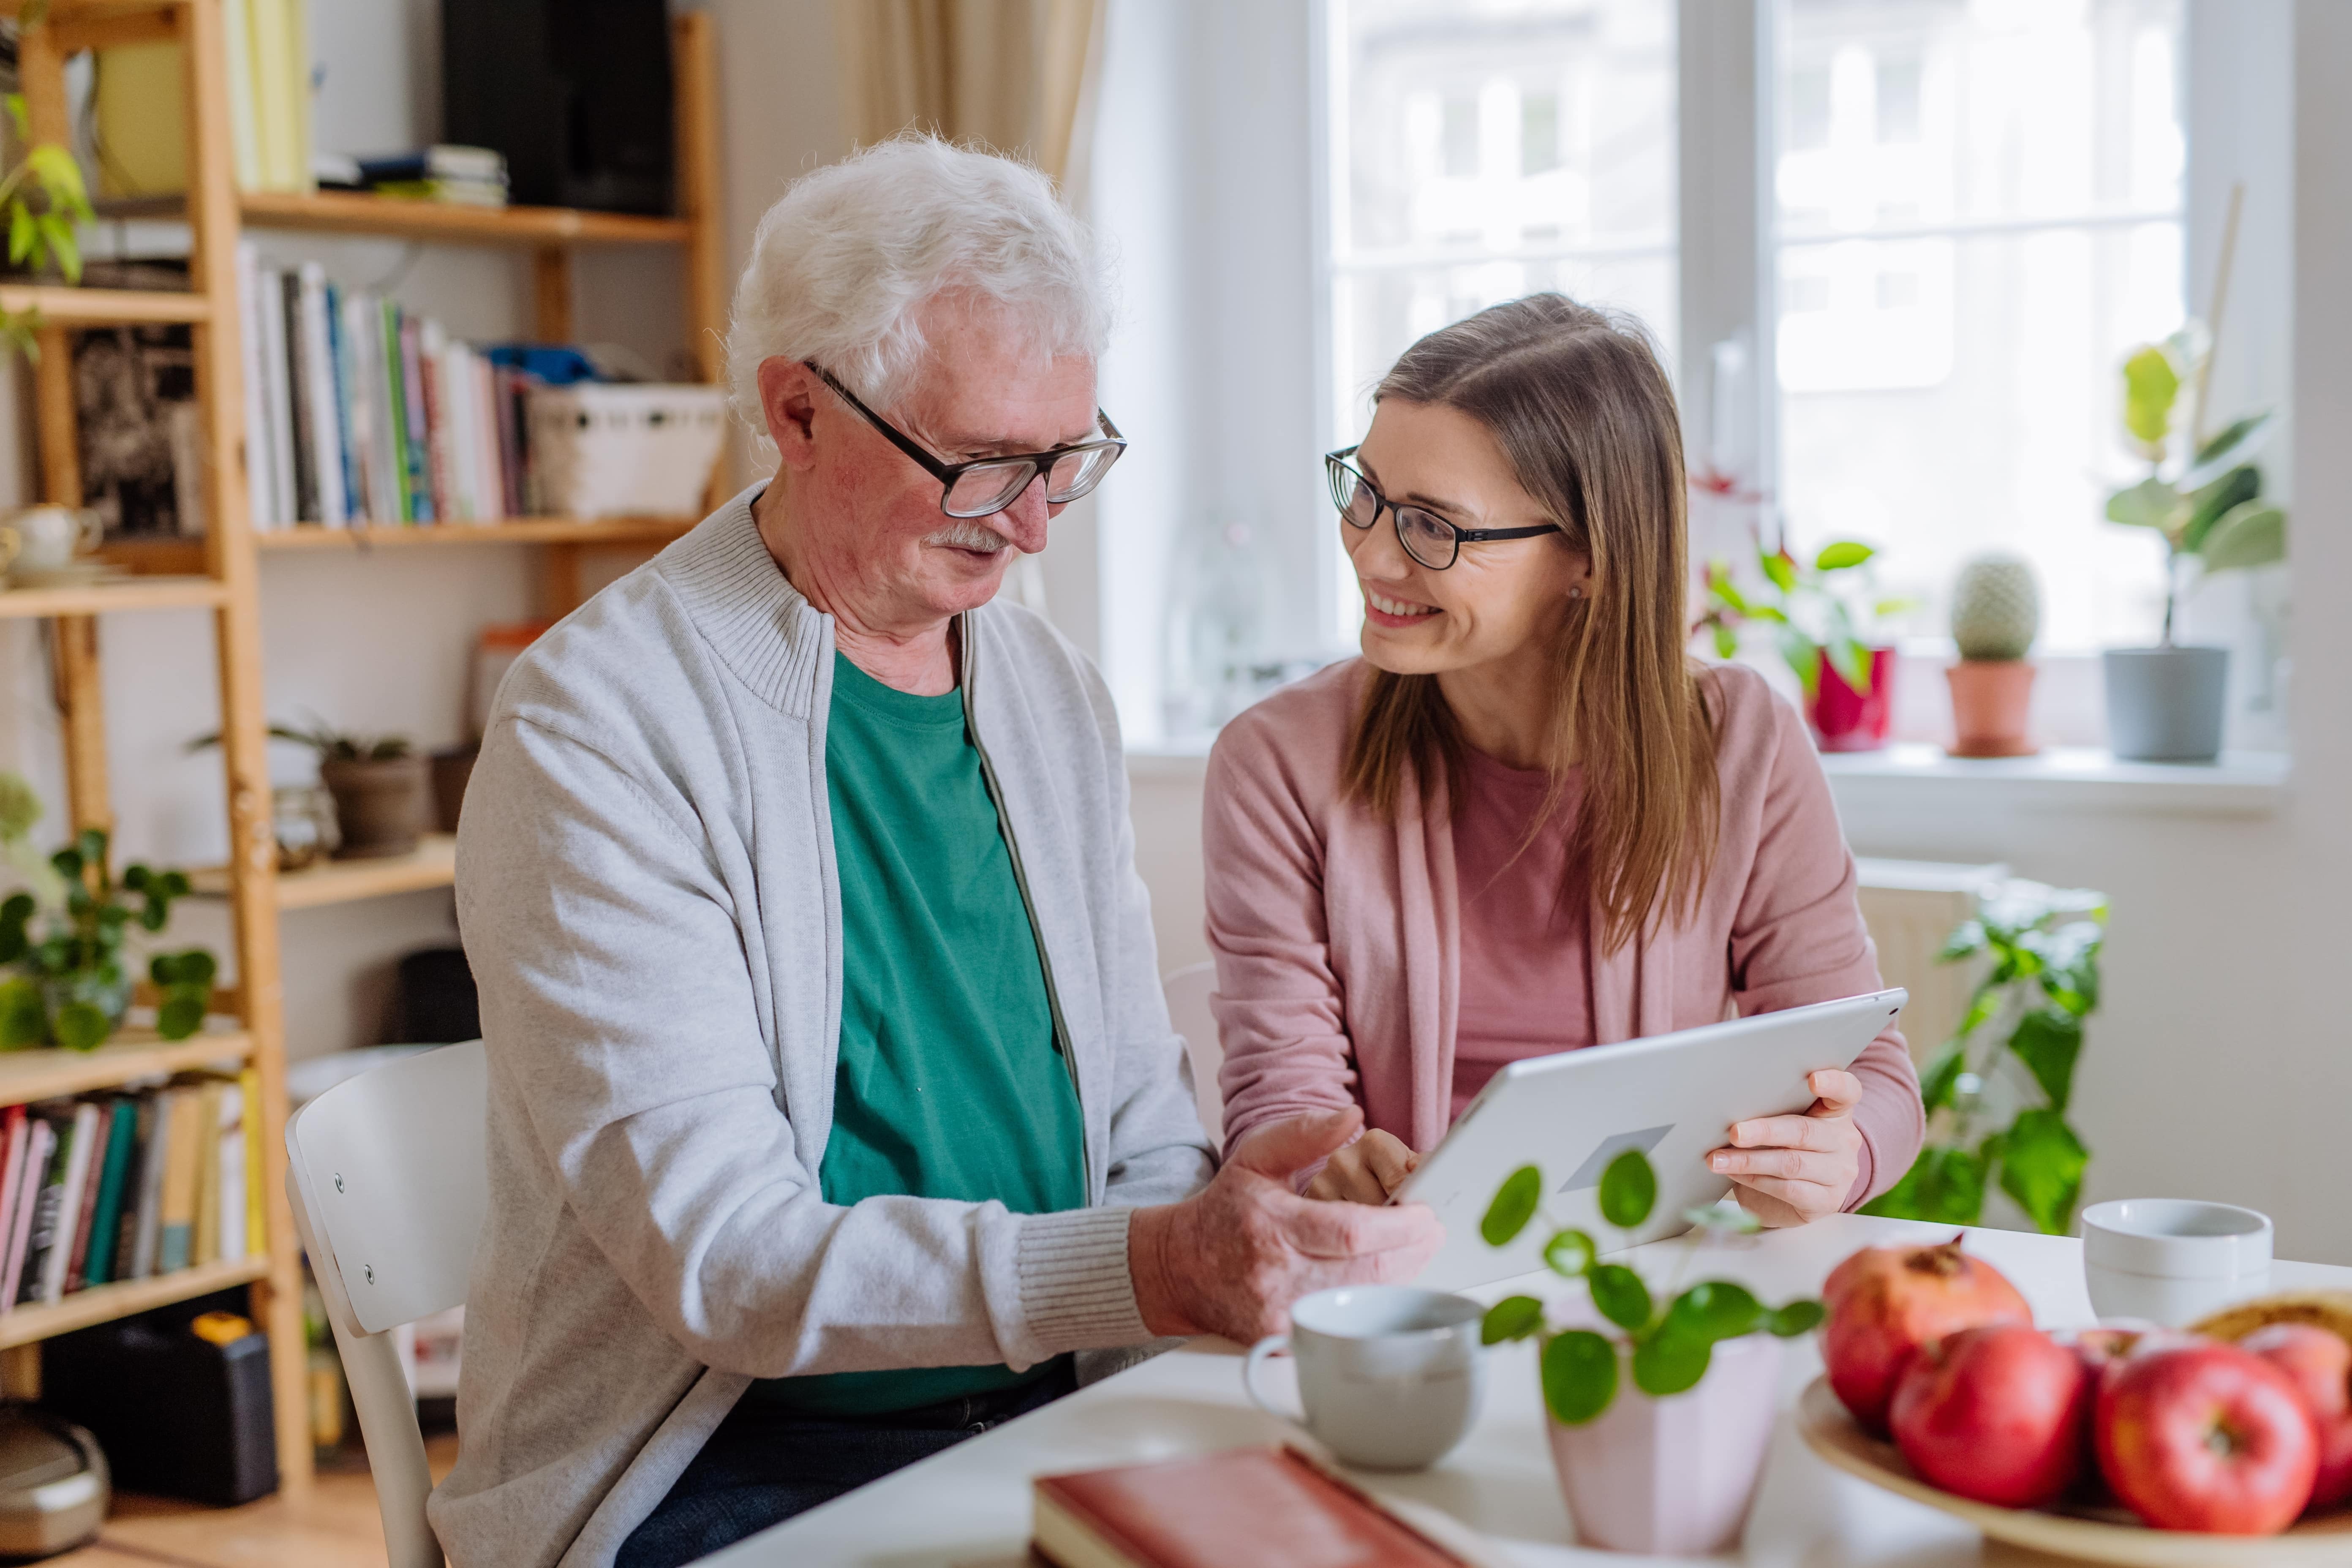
[
  {"x": 1845, "y": 720},
  {"x": 1674, "y": 1476}
]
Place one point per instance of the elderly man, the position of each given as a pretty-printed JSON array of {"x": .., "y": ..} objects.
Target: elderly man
[{"x": 834, "y": 1110}]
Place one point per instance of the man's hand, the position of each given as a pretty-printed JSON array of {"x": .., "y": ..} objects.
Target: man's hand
[
  {"x": 1789, "y": 1170},
  {"x": 1231, "y": 1259},
  {"x": 1365, "y": 1172}
]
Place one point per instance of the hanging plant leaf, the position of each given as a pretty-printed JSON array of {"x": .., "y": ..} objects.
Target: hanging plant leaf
[
  {"x": 1781, "y": 568},
  {"x": 1629, "y": 1189},
  {"x": 2151, "y": 382},
  {"x": 2236, "y": 442},
  {"x": 1569, "y": 1254},
  {"x": 1840, "y": 555},
  {"x": 2248, "y": 536},
  {"x": 182, "y": 1013},
  {"x": 1937, "y": 1083},
  {"x": 2048, "y": 1040},
  {"x": 1944, "y": 1185},
  {"x": 1715, "y": 1310},
  {"x": 2206, "y": 506},
  {"x": 2042, "y": 1163},
  {"x": 1796, "y": 1317},
  {"x": 24, "y": 1021},
  {"x": 1514, "y": 1205},
  {"x": 1579, "y": 1375},
  {"x": 1671, "y": 1361},
  {"x": 81, "y": 1027},
  {"x": 1512, "y": 1318},
  {"x": 1967, "y": 939},
  {"x": 1619, "y": 1295}
]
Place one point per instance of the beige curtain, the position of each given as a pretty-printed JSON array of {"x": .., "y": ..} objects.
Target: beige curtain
[{"x": 1013, "y": 75}]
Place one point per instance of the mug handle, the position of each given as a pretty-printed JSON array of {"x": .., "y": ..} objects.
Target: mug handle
[
  {"x": 1259, "y": 1353},
  {"x": 91, "y": 525}
]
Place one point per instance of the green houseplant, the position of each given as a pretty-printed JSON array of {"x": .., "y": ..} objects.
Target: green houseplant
[
  {"x": 380, "y": 785},
  {"x": 2165, "y": 703},
  {"x": 1824, "y": 620},
  {"x": 1713, "y": 1342},
  {"x": 1996, "y": 1095},
  {"x": 72, "y": 984}
]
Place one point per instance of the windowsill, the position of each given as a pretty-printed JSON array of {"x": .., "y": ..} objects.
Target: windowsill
[{"x": 1914, "y": 774}]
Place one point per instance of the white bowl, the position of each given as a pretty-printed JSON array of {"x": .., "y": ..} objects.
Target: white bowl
[{"x": 2173, "y": 1260}]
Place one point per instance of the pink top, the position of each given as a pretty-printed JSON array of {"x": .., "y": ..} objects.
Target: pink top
[
  {"x": 1527, "y": 988},
  {"x": 1339, "y": 937}
]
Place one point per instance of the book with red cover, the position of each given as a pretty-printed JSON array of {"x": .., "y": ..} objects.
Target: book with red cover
[{"x": 1243, "y": 1507}]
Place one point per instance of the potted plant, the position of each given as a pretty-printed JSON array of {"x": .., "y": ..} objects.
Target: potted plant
[
  {"x": 2165, "y": 703},
  {"x": 1825, "y": 631},
  {"x": 1670, "y": 1464},
  {"x": 72, "y": 985},
  {"x": 1996, "y": 611},
  {"x": 1996, "y": 1095},
  {"x": 379, "y": 784}
]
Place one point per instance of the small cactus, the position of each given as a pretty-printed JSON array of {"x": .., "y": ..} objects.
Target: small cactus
[{"x": 1996, "y": 608}]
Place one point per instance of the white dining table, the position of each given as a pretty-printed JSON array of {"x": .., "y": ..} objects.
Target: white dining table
[{"x": 970, "y": 1507}]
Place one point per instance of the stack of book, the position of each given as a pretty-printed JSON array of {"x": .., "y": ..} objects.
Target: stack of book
[
  {"x": 112, "y": 1187},
  {"x": 470, "y": 176},
  {"x": 359, "y": 412}
]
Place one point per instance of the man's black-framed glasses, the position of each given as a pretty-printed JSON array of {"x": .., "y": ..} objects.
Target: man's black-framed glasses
[
  {"x": 989, "y": 485},
  {"x": 1426, "y": 537}
]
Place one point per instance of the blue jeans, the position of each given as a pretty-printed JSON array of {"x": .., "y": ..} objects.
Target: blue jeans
[{"x": 765, "y": 1464}]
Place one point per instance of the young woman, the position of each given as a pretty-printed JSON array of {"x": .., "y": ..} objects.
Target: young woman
[{"x": 1524, "y": 821}]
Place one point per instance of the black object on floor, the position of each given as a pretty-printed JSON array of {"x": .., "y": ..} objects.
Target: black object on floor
[
  {"x": 575, "y": 93},
  {"x": 178, "y": 1416},
  {"x": 433, "y": 1000}
]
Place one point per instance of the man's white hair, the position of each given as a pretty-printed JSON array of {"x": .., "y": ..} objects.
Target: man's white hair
[{"x": 845, "y": 261}]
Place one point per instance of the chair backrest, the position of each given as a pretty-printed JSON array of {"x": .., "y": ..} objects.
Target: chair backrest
[
  {"x": 393, "y": 1166},
  {"x": 1187, "y": 989},
  {"x": 388, "y": 1174}
]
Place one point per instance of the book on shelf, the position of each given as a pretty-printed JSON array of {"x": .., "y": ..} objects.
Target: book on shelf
[
  {"x": 1241, "y": 1508},
  {"x": 40, "y": 1141},
  {"x": 85, "y": 1197},
  {"x": 175, "y": 1239},
  {"x": 139, "y": 105},
  {"x": 107, "y": 1213},
  {"x": 364, "y": 413}
]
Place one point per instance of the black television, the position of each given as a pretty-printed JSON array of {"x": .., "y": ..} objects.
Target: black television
[{"x": 575, "y": 93}]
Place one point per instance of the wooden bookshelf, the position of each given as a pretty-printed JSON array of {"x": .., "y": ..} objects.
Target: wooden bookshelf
[
  {"x": 62, "y": 307},
  {"x": 122, "y": 593},
  {"x": 49, "y": 1072},
  {"x": 350, "y": 212},
  {"x": 433, "y": 864},
  {"x": 511, "y": 530},
  {"x": 24, "y": 1325}
]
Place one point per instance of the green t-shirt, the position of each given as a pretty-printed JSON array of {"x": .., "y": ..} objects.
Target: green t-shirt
[{"x": 950, "y": 1083}]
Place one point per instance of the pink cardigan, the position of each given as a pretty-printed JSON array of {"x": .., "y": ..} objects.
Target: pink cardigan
[{"x": 1336, "y": 935}]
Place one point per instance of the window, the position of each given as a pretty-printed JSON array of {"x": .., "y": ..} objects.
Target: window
[
  {"x": 1483, "y": 152},
  {"x": 1978, "y": 211}
]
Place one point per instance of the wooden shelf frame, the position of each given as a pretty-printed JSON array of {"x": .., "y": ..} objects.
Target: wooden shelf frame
[
  {"x": 432, "y": 864},
  {"x": 221, "y": 572}
]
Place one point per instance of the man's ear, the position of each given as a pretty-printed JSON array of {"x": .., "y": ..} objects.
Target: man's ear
[{"x": 789, "y": 391}]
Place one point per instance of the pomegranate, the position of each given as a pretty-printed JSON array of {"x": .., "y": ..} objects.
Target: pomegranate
[
  {"x": 1884, "y": 1303},
  {"x": 2207, "y": 1436},
  {"x": 1996, "y": 1413}
]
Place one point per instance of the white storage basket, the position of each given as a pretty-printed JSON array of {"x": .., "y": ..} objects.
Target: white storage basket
[{"x": 624, "y": 450}]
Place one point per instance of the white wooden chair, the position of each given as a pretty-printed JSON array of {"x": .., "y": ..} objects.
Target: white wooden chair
[
  {"x": 388, "y": 1176},
  {"x": 1187, "y": 989}
]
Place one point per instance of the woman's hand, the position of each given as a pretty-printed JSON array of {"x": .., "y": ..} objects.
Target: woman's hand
[
  {"x": 1366, "y": 1172},
  {"x": 1789, "y": 1170}
]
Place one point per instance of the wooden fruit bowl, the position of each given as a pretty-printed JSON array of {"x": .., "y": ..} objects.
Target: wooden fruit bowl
[{"x": 2104, "y": 1535}]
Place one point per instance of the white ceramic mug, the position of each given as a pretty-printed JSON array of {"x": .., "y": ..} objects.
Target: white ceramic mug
[
  {"x": 1390, "y": 1376},
  {"x": 50, "y": 538},
  {"x": 2173, "y": 1260}
]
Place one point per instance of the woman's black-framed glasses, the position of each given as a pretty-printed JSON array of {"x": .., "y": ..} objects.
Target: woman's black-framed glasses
[
  {"x": 986, "y": 487},
  {"x": 1426, "y": 537}
]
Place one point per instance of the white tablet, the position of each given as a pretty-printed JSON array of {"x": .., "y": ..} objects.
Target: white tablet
[{"x": 1675, "y": 1097}]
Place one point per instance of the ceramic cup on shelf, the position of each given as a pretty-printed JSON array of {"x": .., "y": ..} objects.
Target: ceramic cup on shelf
[
  {"x": 52, "y": 539},
  {"x": 1390, "y": 1376},
  {"x": 2173, "y": 1260}
]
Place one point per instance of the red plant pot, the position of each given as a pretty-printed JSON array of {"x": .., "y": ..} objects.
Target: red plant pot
[{"x": 1845, "y": 720}]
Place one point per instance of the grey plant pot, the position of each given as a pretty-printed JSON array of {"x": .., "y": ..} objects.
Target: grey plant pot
[{"x": 2164, "y": 704}]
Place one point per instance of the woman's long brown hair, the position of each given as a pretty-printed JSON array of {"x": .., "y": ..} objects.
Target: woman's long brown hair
[{"x": 1585, "y": 418}]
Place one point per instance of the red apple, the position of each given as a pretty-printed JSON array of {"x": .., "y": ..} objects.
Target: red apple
[
  {"x": 2319, "y": 1364},
  {"x": 1884, "y": 1303},
  {"x": 1995, "y": 1413},
  {"x": 2206, "y": 1437}
]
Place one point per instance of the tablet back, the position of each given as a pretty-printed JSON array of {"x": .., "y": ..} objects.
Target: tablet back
[{"x": 1675, "y": 1097}]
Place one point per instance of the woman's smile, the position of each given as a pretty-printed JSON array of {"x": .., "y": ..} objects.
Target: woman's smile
[{"x": 1384, "y": 611}]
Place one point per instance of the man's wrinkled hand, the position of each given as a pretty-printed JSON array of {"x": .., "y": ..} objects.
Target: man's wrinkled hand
[{"x": 1232, "y": 1259}]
